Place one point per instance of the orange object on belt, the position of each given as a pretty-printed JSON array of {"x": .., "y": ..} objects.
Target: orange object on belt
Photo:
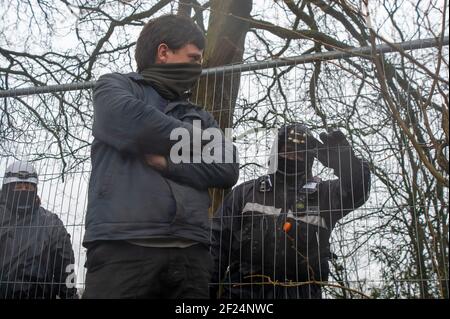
[{"x": 287, "y": 226}]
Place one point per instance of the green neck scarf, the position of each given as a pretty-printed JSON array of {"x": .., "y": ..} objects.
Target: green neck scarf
[{"x": 173, "y": 81}]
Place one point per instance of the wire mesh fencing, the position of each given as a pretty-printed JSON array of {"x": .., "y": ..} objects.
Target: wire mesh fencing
[{"x": 393, "y": 245}]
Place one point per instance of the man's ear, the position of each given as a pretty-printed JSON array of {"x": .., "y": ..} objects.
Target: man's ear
[{"x": 162, "y": 54}]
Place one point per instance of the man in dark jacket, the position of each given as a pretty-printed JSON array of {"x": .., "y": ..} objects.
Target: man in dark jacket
[
  {"x": 36, "y": 256},
  {"x": 270, "y": 238},
  {"x": 147, "y": 225}
]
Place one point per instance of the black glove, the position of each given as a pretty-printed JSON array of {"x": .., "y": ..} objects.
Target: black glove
[{"x": 335, "y": 152}]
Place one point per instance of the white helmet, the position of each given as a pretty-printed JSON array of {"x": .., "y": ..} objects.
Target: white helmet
[{"x": 20, "y": 171}]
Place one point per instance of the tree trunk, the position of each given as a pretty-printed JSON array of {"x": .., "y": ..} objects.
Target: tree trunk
[
  {"x": 185, "y": 8},
  {"x": 224, "y": 45}
]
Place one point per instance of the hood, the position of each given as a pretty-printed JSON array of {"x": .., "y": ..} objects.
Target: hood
[{"x": 279, "y": 140}]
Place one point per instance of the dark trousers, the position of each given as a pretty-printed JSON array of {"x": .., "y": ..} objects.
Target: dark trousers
[{"x": 120, "y": 270}]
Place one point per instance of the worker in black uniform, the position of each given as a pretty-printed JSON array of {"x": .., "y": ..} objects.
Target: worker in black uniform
[
  {"x": 270, "y": 238},
  {"x": 36, "y": 255}
]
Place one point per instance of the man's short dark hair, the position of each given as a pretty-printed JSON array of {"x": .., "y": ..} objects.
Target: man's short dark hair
[{"x": 175, "y": 31}]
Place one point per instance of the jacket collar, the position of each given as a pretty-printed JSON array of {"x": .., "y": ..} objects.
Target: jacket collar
[{"x": 135, "y": 76}]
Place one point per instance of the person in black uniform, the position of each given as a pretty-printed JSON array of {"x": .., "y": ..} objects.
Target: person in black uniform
[
  {"x": 36, "y": 255},
  {"x": 270, "y": 237}
]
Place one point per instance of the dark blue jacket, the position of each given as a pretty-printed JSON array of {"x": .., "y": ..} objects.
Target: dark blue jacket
[{"x": 128, "y": 199}]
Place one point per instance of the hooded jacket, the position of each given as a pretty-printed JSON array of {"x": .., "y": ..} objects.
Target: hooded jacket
[
  {"x": 278, "y": 227},
  {"x": 36, "y": 256}
]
